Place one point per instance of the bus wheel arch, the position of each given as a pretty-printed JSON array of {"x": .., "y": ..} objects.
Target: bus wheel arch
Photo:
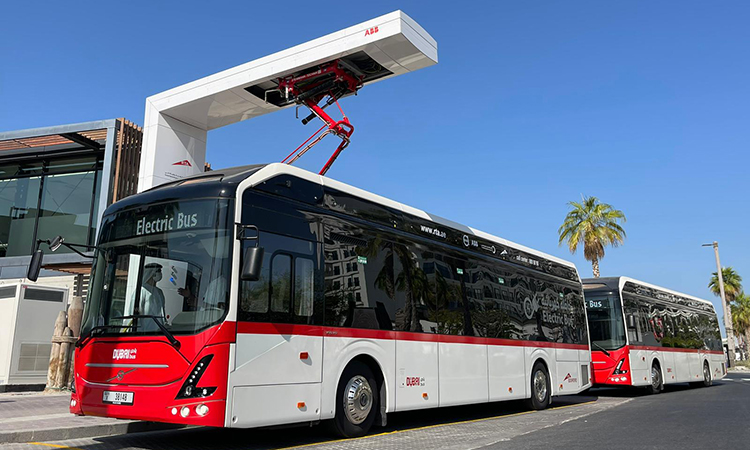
[
  {"x": 540, "y": 385},
  {"x": 707, "y": 376},
  {"x": 377, "y": 370},
  {"x": 363, "y": 383},
  {"x": 657, "y": 377}
]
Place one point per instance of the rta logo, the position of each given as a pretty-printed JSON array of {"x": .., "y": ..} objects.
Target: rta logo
[
  {"x": 570, "y": 379},
  {"x": 118, "y": 354},
  {"x": 184, "y": 162},
  {"x": 372, "y": 30}
]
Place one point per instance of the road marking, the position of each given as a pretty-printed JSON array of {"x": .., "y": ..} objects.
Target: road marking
[
  {"x": 427, "y": 427},
  {"x": 55, "y": 445},
  {"x": 746, "y": 379}
]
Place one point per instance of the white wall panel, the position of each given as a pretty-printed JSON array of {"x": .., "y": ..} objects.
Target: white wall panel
[
  {"x": 507, "y": 372},
  {"x": 416, "y": 360},
  {"x": 257, "y": 406},
  {"x": 463, "y": 373},
  {"x": 275, "y": 359}
]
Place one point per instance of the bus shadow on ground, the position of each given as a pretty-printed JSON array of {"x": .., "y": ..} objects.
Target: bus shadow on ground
[
  {"x": 634, "y": 392},
  {"x": 282, "y": 437}
]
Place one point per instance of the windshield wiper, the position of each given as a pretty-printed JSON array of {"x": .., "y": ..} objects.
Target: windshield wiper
[
  {"x": 85, "y": 337},
  {"x": 175, "y": 343},
  {"x": 600, "y": 348}
]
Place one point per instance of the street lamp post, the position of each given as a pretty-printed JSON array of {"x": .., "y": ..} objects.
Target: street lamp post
[{"x": 727, "y": 309}]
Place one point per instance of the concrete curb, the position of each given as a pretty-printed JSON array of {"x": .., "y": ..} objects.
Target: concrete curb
[{"x": 88, "y": 431}]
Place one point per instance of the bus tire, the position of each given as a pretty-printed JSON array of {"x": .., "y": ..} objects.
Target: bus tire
[
  {"x": 541, "y": 391},
  {"x": 707, "y": 378},
  {"x": 357, "y": 401},
  {"x": 657, "y": 384}
]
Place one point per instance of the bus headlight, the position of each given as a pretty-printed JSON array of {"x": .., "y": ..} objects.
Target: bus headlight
[
  {"x": 185, "y": 411},
  {"x": 189, "y": 389},
  {"x": 618, "y": 369}
]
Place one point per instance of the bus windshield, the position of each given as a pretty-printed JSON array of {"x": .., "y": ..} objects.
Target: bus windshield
[
  {"x": 606, "y": 326},
  {"x": 167, "y": 262}
]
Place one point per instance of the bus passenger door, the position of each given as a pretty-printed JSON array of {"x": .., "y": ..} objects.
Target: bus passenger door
[{"x": 279, "y": 339}]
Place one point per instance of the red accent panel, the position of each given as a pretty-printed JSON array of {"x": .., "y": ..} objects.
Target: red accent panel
[
  {"x": 604, "y": 366},
  {"x": 135, "y": 362},
  {"x": 314, "y": 330},
  {"x": 155, "y": 401}
]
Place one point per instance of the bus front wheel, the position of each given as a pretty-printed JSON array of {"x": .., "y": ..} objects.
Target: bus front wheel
[
  {"x": 657, "y": 384},
  {"x": 356, "y": 401},
  {"x": 540, "y": 387}
]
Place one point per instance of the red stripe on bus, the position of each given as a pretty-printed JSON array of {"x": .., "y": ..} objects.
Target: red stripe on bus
[
  {"x": 670, "y": 349},
  {"x": 316, "y": 330}
]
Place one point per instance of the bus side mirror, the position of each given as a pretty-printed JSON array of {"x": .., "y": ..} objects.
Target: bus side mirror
[
  {"x": 631, "y": 321},
  {"x": 35, "y": 266},
  {"x": 252, "y": 263}
]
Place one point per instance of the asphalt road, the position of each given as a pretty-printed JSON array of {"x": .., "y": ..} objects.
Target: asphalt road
[{"x": 680, "y": 418}]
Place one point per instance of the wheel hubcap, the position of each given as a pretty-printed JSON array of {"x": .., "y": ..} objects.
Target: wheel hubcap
[
  {"x": 540, "y": 386},
  {"x": 655, "y": 377},
  {"x": 357, "y": 399},
  {"x": 706, "y": 374}
]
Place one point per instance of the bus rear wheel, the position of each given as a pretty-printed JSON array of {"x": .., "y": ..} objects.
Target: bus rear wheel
[
  {"x": 356, "y": 401},
  {"x": 707, "y": 379},
  {"x": 541, "y": 391},
  {"x": 657, "y": 384}
]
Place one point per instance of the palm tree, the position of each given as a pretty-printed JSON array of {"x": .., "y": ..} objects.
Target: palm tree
[
  {"x": 732, "y": 283},
  {"x": 594, "y": 224},
  {"x": 732, "y": 288},
  {"x": 741, "y": 318}
]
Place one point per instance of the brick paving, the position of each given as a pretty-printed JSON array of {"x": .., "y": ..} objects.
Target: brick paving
[{"x": 37, "y": 416}]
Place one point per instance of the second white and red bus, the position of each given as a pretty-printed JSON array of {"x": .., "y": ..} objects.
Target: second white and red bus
[{"x": 647, "y": 335}]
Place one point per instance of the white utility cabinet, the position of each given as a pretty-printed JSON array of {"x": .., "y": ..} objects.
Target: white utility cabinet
[{"x": 27, "y": 320}]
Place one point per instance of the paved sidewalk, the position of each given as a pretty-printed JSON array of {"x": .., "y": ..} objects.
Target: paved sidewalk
[{"x": 26, "y": 417}]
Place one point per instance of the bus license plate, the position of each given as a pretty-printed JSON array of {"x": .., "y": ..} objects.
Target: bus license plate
[{"x": 117, "y": 398}]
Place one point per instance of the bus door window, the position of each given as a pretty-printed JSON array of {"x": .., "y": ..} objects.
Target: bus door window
[
  {"x": 633, "y": 324},
  {"x": 281, "y": 283},
  {"x": 632, "y": 319},
  {"x": 285, "y": 290}
]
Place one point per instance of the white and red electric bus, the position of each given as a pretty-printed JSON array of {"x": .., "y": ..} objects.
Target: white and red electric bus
[
  {"x": 269, "y": 295},
  {"x": 646, "y": 335}
]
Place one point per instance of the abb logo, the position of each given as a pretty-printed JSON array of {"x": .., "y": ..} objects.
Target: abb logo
[
  {"x": 184, "y": 162},
  {"x": 124, "y": 353},
  {"x": 570, "y": 379},
  {"x": 372, "y": 30},
  {"x": 414, "y": 381}
]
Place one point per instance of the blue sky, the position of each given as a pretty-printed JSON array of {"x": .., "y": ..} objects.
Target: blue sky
[{"x": 642, "y": 104}]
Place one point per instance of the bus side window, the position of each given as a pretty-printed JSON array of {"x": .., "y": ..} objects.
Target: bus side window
[
  {"x": 281, "y": 283},
  {"x": 303, "y": 286}
]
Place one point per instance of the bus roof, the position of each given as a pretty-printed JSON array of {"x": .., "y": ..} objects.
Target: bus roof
[
  {"x": 618, "y": 282},
  {"x": 272, "y": 170}
]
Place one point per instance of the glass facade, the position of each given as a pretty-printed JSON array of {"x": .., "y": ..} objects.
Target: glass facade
[{"x": 46, "y": 198}]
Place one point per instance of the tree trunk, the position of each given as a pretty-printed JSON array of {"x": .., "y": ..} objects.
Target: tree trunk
[
  {"x": 595, "y": 266},
  {"x": 747, "y": 343},
  {"x": 729, "y": 328}
]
